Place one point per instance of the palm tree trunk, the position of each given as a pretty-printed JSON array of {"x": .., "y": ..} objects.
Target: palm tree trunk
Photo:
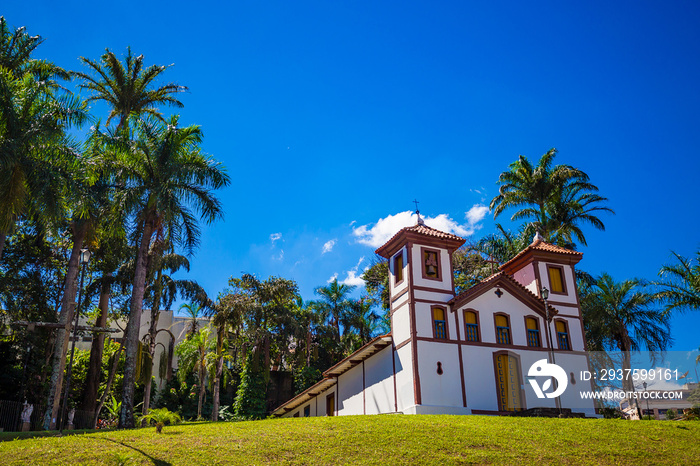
[
  {"x": 65, "y": 318},
  {"x": 219, "y": 371},
  {"x": 126, "y": 418},
  {"x": 625, "y": 345},
  {"x": 108, "y": 387},
  {"x": 98, "y": 343},
  {"x": 202, "y": 375},
  {"x": 152, "y": 334},
  {"x": 169, "y": 370}
]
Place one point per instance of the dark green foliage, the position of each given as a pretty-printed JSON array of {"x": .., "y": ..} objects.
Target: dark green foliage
[
  {"x": 376, "y": 279},
  {"x": 305, "y": 377},
  {"x": 181, "y": 397},
  {"x": 252, "y": 392},
  {"x": 612, "y": 413},
  {"x": 680, "y": 286}
]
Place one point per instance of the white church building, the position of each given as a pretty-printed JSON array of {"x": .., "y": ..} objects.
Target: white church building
[{"x": 471, "y": 353}]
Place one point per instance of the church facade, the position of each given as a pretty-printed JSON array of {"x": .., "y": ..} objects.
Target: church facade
[{"x": 471, "y": 353}]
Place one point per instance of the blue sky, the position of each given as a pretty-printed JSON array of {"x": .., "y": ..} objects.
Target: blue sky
[{"x": 331, "y": 116}]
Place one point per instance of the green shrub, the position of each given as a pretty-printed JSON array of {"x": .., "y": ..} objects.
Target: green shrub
[{"x": 160, "y": 417}]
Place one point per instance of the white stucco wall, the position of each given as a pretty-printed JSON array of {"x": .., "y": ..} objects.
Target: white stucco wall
[
  {"x": 488, "y": 304},
  {"x": 439, "y": 390},
  {"x": 479, "y": 378},
  {"x": 349, "y": 392},
  {"x": 379, "y": 382},
  {"x": 526, "y": 277},
  {"x": 570, "y": 297},
  {"x": 401, "y": 324},
  {"x": 321, "y": 400},
  {"x": 445, "y": 281},
  {"x": 404, "y": 378}
]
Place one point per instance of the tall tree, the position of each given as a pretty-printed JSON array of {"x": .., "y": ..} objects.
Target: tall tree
[
  {"x": 269, "y": 325},
  {"x": 88, "y": 205},
  {"x": 557, "y": 199},
  {"x": 16, "y": 48},
  {"x": 680, "y": 285},
  {"x": 163, "y": 178},
  {"x": 192, "y": 358},
  {"x": 36, "y": 155},
  {"x": 128, "y": 87},
  {"x": 227, "y": 314},
  {"x": 161, "y": 291},
  {"x": 194, "y": 313},
  {"x": 334, "y": 303},
  {"x": 622, "y": 316}
]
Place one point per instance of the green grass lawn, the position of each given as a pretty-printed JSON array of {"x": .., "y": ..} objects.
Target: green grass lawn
[{"x": 390, "y": 439}]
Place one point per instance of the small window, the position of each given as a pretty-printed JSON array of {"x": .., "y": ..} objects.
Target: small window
[
  {"x": 307, "y": 411},
  {"x": 533, "y": 332},
  {"x": 439, "y": 323},
  {"x": 431, "y": 265},
  {"x": 398, "y": 268},
  {"x": 562, "y": 335},
  {"x": 502, "y": 330},
  {"x": 556, "y": 279},
  {"x": 471, "y": 326}
]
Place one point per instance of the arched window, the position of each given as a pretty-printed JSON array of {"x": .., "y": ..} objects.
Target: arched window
[
  {"x": 439, "y": 323},
  {"x": 533, "y": 332},
  {"x": 502, "y": 329},
  {"x": 562, "y": 335},
  {"x": 471, "y": 326}
]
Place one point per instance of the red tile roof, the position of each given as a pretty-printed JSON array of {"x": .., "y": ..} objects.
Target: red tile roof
[
  {"x": 541, "y": 245},
  {"x": 423, "y": 230}
]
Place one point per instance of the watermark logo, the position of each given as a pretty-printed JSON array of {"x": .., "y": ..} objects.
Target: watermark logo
[{"x": 542, "y": 368}]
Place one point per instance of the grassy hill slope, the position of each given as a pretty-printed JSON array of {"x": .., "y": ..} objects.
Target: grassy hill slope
[{"x": 391, "y": 439}]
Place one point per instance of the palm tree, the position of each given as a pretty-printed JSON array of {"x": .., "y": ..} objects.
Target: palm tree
[
  {"x": 164, "y": 179},
  {"x": 128, "y": 86},
  {"x": 161, "y": 291},
  {"x": 680, "y": 288},
  {"x": 227, "y": 313},
  {"x": 361, "y": 319},
  {"x": 194, "y": 312},
  {"x": 622, "y": 316},
  {"x": 555, "y": 198},
  {"x": 569, "y": 208},
  {"x": 88, "y": 206},
  {"x": 334, "y": 303},
  {"x": 192, "y": 357},
  {"x": 36, "y": 156},
  {"x": 161, "y": 417}
]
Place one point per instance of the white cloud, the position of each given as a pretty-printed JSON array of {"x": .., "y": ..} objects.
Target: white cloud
[
  {"x": 379, "y": 233},
  {"x": 328, "y": 246},
  {"x": 476, "y": 214},
  {"x": 275, "y": 236},
  {"x": 352, "y": 278},
  {"x": 333, "y": 277},
  {"x": 280, "y": 257}
]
